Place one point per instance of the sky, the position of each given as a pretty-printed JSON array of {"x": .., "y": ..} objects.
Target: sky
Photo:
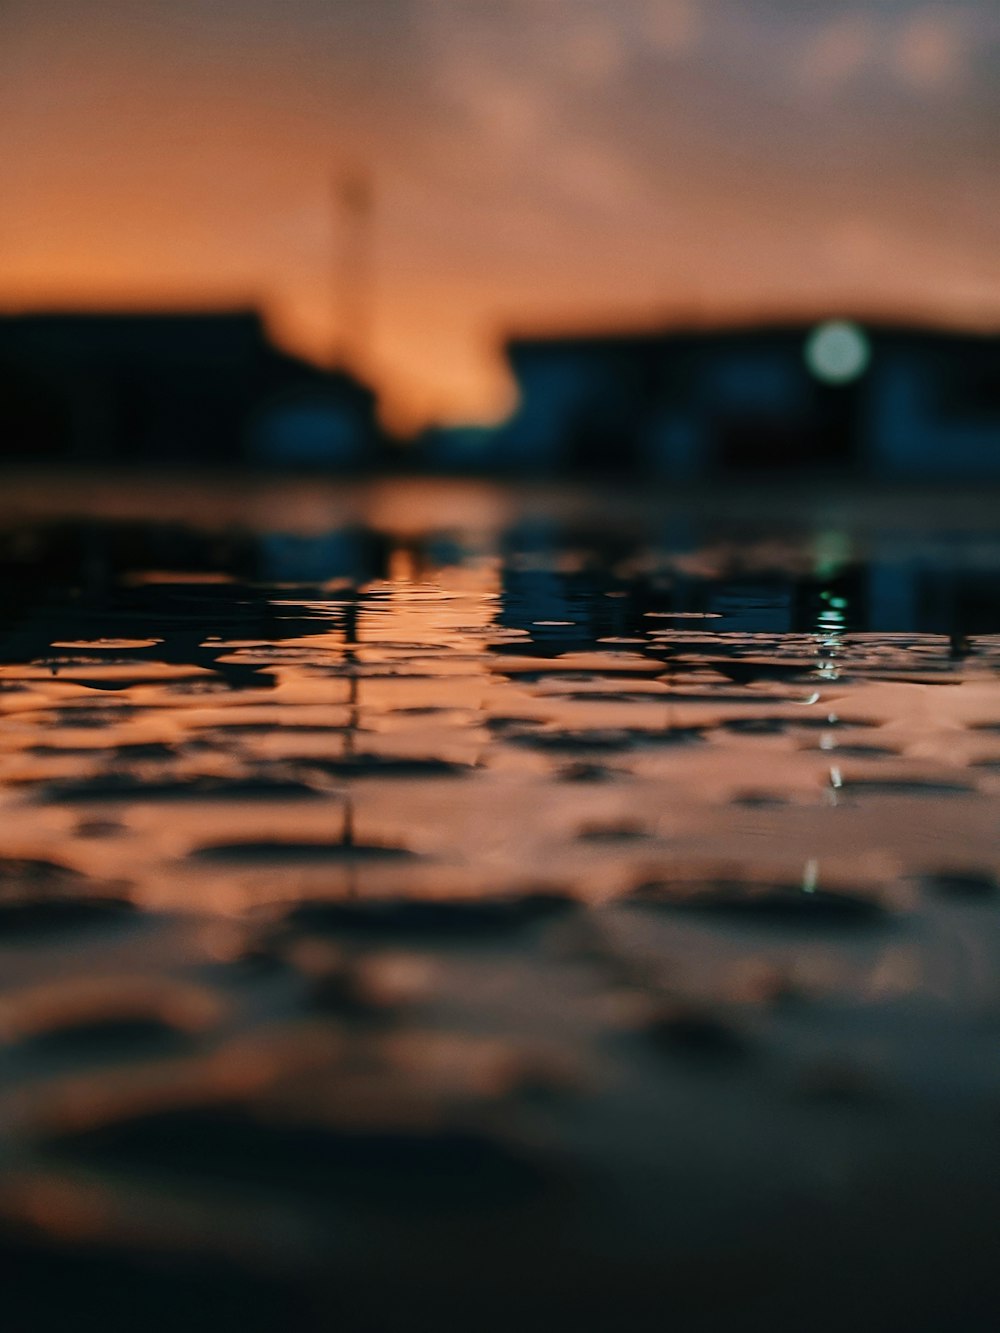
[{"x": 535, "y": 164}]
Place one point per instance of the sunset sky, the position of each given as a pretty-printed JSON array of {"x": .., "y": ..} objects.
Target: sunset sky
[{"x": 536, "y": 163}]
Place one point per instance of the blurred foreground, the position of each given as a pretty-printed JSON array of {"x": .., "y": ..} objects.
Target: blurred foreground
[{"x": 430, "y": 905}]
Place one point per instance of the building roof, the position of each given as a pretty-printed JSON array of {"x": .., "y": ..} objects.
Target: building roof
[
  {"x": 159, "y": 342},
  {"x": 683, "y": 338}
]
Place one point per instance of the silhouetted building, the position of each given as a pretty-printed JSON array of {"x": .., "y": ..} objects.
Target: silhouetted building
[
  {"x": 879, "y": 400},
  {"x": 205, "y": 387}
]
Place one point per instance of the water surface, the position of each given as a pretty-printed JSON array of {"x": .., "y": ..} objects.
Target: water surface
[{"x": 437, "y": 879}]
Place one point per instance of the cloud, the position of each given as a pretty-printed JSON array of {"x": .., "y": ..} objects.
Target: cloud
[
  {"x": 595, "y": 49},
  {"x": 838, "y": 52},
  {"x": 926, "y": 49},
  {"x": 931, "y": 51},
  {"x": 671, "y": 27}
]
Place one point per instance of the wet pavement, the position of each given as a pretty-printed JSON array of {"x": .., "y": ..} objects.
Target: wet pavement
[{"x": 435, "y": 905}]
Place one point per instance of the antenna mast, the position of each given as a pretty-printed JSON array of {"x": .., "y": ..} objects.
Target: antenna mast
[{"x": 354, "y": 201}]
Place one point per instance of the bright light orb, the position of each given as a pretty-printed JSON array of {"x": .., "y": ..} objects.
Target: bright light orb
[{"x": 837, "y": 352}]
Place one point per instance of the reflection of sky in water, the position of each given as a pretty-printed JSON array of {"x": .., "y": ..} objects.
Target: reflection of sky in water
[
  {"x": 767, "y": 767},
  {"x": 360, "y": 665}
]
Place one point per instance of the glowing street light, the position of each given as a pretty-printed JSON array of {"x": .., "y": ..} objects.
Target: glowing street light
[{"x": 837, "y": 352}]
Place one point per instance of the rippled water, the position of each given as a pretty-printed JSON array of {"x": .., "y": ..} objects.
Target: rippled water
[{"x": 584, "y": 906}]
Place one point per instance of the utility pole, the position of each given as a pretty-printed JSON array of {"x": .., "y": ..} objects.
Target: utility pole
[{"x": 354, "y": 206}]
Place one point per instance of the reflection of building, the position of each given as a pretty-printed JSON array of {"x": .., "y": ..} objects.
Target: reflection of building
[
  {"x": 885, "y": 401},
  {"x": 163, "y": 387},
  {"x": 617, "y": 592},
  {"x": 85, "y": 580}
]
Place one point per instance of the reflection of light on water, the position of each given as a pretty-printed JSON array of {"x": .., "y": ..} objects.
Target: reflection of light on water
[
  {"x": 335, "y": 711},
  {"x": 830, "y": 554},
  {"x": 402, "y": 565},
  {"x": 830, "y": 624},
  {"x": 837, "y": 352}
]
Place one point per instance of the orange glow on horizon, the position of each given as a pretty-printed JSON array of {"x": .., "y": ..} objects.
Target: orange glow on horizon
[{"x": 554, "y": 173}]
